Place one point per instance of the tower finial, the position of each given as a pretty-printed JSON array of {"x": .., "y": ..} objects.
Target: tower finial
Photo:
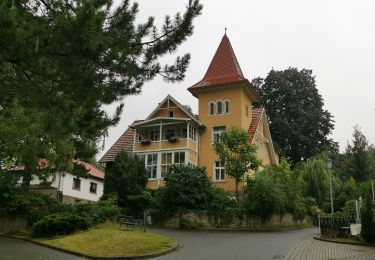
[{"x": 225, "y": 32}]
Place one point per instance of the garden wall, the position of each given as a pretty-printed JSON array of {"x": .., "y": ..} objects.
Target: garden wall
[
  {"x": 12, "y": 224},
  {"x": 207, "y": 220}
]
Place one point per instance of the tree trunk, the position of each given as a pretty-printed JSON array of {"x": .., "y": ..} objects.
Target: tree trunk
[
  {"x": 26, "y": 179},
  {"x": 237, "y": 190}
]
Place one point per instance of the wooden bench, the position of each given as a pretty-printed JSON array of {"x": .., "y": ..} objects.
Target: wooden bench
[{"x": 130, "y": 221}]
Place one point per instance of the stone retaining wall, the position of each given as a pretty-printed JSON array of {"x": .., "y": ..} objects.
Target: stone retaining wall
[
  {"x": 205, "y": 220},
  {"x": 12, "y": 224}
]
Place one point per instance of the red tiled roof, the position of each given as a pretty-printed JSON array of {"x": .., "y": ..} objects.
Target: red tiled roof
[
  {"x": 93, "y": 171},
  {"x": 224, "y": 67},
  {"x": 256, "y": 115},
  {"x": 43, "y": 164},
  {"x": 125, "y": 142}
]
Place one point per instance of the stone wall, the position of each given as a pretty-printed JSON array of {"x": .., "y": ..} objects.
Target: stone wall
[
  {"x": 12, "y": 224},
  {"x": 205, "y": 220}
]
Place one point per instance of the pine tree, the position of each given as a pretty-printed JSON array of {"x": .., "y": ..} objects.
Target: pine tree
[{"x": 62, "y": 60}]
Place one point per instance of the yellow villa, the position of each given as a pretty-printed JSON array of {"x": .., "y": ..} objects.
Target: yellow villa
[{"x": 172, "y": 134}]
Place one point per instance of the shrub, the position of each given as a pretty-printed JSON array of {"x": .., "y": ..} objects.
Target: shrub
[
  {"x": 188, "y": 225},
  {"x": 221, "y": 200},
  {"x": 59, "y": 224},
  {"x": 264, "y": 197},
  {"x": 96, "y": 212},
  {"x": 33, "y": 205},
  {"x": 186, "y": 187},
  {"x": 367, "y": 219}
]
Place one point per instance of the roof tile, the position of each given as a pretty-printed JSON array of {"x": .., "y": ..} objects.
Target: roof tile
[
  {"x": 256, "y": 116},
  {"x": 224, "y": 67}
]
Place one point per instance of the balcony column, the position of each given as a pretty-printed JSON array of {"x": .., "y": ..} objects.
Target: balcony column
[
  {"x": 160, "y": 133},
  {"x": 187, "y": 132}
]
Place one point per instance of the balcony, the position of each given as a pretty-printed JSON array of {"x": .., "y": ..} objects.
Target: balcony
[{"x": 165, "y": 134}]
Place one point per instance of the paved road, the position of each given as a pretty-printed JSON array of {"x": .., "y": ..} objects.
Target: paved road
[
  {"x": 236, "y": 245},
  {"x": 288, "y": 245}
]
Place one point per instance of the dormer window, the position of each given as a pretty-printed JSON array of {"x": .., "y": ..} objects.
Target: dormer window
[
  {"x": 212, "y": 108},
  {"x": 219, "y": 107},
  {"x": 170, "y": 113}
]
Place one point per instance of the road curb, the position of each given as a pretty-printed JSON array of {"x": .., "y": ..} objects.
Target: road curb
[
  {"x": 175, "y": 247},
  {"x": 343, "y": 242}
]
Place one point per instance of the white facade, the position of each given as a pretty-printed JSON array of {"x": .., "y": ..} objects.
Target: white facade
[{"x": 63, "y": 182}]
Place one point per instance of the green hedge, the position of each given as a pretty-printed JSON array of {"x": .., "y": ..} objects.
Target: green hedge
[{"x": 59, "y": 224}]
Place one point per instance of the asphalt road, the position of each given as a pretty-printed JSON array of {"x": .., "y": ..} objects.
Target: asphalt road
[
  {"x": 196, "y": 245},
  {"x": 235, "y": 245}
]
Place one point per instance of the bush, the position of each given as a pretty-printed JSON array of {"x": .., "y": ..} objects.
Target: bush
[
  {"x": 186, "y": 188},
  {"x": 59, "y": 224},
  {"x": 33, "y": 205},
  {"x": 367, "y": 219},
  {"x": 188, "y": 225},
  {"x": 96, "y": 212},
  {"x": 221, "y": 200},
  {"x": 264, "y": 197}
]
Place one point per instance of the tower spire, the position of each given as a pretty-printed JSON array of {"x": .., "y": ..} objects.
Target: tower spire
[{"x": 224, "y": 67}]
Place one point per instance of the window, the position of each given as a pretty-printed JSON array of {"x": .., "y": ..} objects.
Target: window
[
  {"x": 219, "y": 107},
  {"x": 179, "y": 158},
  {"x": 169, "y": 133},
  {"x": 166, "y": 162},
  {"x": 192, "y": 132},
  {"x": 212, "y": 108},
  {"x": 219, "y": 171},
  {"x": 217, "y": 131},
  {"x": 227, "y": 106},
  {"x": 170, "y": 113},
  {"x": 138, "y": 137},
  {"x": 93, "y": 187},
  {"x": 184, "y": 133},
  {"x": 76, "y": 184},
  {"x": 154, "y": 135},
  {"x": 152, "y": 165}
]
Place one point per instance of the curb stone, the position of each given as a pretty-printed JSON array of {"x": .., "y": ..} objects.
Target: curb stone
[{"x": 175, "y": 247}]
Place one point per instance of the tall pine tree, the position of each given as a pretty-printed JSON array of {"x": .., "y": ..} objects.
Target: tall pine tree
[{"x": 62, "y": 60}]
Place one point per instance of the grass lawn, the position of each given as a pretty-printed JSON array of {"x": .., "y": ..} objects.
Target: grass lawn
[{"x": 112, "y": 241}]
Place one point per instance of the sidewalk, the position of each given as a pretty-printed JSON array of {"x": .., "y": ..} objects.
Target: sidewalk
[{"x": 312, "y": 249}]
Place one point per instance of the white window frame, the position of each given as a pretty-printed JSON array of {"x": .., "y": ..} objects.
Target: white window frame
[
  {"x": 192, "y": 133},
  {"x": 218, "y": 131},
  {"x": 221, "y": 170},
  {"x": 151, "y": 167},
  {"x": 154, "y": 135},
  {"x": 166, "y": 164}
]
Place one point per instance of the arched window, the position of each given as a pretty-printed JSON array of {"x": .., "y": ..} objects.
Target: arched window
[
  {"x": 219, "y": 107},
  {"x": 212, "y": 108},
  {"x": 226, "y": 106}
]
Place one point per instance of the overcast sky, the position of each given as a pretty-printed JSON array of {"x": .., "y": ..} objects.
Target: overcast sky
[{"x": 334, "y": 38}]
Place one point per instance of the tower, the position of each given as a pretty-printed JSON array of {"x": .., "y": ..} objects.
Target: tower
[{"x": 225, "y": 100}]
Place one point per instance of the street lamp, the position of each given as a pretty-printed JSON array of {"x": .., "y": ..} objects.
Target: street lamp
[{"x": 329, "y": 165}]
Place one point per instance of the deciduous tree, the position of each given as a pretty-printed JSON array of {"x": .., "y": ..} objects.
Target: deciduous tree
[
  {"x": 298, "y": 121},
  {"x": 238, "y": 155}
]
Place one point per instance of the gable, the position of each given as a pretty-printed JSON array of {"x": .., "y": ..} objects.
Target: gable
[{"x": 167, "y": 107}]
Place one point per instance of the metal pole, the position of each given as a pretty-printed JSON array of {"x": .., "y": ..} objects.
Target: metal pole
[
  {"x": 330, "y": 182},
  {"x": 372, "y": 186},
  {"x": 330, "y": 187}
]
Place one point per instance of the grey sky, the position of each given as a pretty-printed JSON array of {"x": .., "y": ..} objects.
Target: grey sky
[{"x": 334, "y": 38}]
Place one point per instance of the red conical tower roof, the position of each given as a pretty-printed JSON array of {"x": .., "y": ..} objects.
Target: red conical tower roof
[{"x": 224, "y": 67}]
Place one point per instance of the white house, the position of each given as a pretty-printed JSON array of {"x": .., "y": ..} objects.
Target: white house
[{"x": 70, "y": 188}]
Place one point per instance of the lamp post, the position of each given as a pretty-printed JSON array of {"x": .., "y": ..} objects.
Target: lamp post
[{"x": 329, "y": 165}]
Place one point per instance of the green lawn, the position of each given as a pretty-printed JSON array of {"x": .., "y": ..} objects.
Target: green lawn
[{"x": 112, "y": 241}]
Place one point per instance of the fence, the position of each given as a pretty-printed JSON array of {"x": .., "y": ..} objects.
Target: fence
[{"x": 335, "y": 226}]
